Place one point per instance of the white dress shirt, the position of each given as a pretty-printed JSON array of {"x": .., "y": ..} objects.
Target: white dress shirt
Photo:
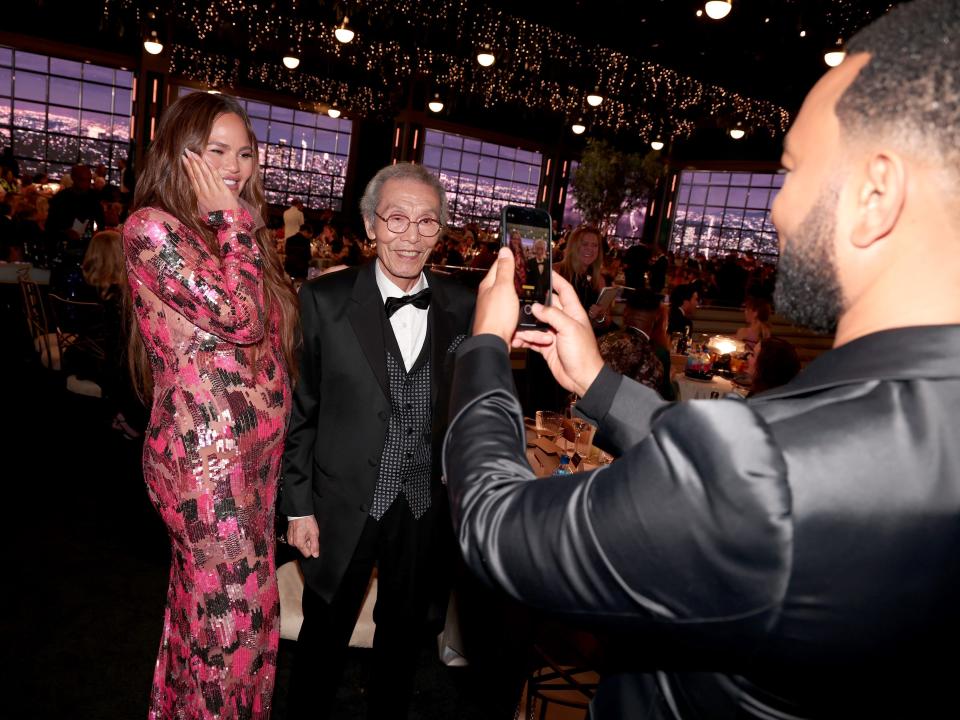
[{"x": 409, "y": 322}]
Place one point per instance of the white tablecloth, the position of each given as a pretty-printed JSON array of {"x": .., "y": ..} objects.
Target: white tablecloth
[{"x": 713, "y": 389}]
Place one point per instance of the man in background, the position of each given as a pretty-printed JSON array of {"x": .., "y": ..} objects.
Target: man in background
[{"x": 293, "y": 218}]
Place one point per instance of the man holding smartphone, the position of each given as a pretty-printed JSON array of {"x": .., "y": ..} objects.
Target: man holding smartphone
[{"x": 794, "y": 554}]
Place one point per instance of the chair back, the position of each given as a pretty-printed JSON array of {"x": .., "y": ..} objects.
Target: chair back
[
  {"x": 80, "y": 327},
  {"x": 44, "y": 342}
]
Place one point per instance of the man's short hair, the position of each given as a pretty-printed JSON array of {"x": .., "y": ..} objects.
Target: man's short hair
[
  {"x": 910, "y": 88},
  {"x": 400, "y": 171},
  {"x": 539, "y": 242}
]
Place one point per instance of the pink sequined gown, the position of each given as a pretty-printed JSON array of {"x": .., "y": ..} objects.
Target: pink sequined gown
[{"x": 211, "y": 460}]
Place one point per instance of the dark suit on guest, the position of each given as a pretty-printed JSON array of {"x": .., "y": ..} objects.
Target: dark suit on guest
[
  {"x": 347, "y": 420},
  {"x": 789, "y": 556}
]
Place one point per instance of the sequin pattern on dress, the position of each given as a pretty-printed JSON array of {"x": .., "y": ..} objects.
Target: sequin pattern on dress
[{"x": 211, "y": 460}]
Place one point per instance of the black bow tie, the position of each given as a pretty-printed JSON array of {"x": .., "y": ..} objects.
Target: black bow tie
[{"x": 420, "y": 300}]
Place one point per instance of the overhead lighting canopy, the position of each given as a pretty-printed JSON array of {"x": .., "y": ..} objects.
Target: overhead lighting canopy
[
  {"x": 657, "y": 145},
  {"x": 594, "y": 98},
  {"x": 344, "y": 33},
  {"x": 486, "y": 57},
  {"x": 291, "y": 61},
  {"x": 578, "y": 128},
  {"x": 718, "y": 9},
  {"x": 436, "y": 104}
]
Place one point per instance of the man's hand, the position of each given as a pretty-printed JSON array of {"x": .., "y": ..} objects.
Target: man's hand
[
  {"x": 304, "y": 534},
  {"x": 569, "y": 346},
  {"x": 497, "y": 304}
]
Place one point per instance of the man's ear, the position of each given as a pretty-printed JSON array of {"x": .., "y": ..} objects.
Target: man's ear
[
  {"x": 880, "y": 198},
  {"x": 369, "y": 228}
]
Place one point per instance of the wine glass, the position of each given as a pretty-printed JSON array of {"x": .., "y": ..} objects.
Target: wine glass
[{"x": 549, "y": 424}]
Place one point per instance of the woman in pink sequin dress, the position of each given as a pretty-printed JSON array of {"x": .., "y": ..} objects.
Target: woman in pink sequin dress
[{"x": 216, "y": 319}]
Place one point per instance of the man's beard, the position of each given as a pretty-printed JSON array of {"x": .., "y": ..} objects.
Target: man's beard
[{"x": 808, "y": 290}]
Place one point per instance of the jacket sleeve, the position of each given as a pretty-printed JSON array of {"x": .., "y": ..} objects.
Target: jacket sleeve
[
  {"x": 690, "y": 526},
  {"x": 222, "y": 296},
  {"x": 296, "y": 498}
]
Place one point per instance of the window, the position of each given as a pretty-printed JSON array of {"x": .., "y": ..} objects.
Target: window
[
  {"x": 720, "y": 212},
  {"x": 302, "y": 154},
  {"x": 57, "y": 113},
  {"x": 481, "y": 177},
  {"x": 629, "y": 227}
]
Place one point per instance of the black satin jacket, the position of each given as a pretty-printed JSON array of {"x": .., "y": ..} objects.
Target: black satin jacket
[{"x": 794, "y": 555}]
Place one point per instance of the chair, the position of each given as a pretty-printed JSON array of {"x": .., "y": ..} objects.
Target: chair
[
  {"x": 80, "y": 331},
  {"x": 568, "y": 682},
  {"x": 44, "y": 342}
]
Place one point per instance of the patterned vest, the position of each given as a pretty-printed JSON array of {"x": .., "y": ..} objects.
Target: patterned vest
[{"x": 407, "y": 452}]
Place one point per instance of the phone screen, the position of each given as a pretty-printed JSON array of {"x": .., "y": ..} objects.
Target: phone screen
[{"x": 526, "y": 231}]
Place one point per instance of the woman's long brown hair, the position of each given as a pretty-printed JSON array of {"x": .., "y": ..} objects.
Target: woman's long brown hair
[
  {"x": 570, "y": 267},
  {"x": 164, "y": 184}
]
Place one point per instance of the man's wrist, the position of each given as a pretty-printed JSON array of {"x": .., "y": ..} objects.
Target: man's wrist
[{"x": 589, "y": 376}]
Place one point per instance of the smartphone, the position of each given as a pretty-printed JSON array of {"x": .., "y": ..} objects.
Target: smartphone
[{"x": 528, "y": 233}]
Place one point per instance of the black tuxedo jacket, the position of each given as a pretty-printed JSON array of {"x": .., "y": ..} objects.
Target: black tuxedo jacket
[{"x": 341, "y": 407}]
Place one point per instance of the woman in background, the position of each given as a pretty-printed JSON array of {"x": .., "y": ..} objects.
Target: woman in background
[
  {"x": 215, "y": 316},
  {"x": 756, "y": 311},
  {"x": 582, "y": 267}
]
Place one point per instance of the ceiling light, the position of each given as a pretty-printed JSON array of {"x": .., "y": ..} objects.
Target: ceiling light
[
  {"x": 485, "y": 57},
  {"x": 344, "y": 33},
  {"x": 594, "y": 98},
  {"x": 435, "y": 105},
  {"x": 291, "y": 61},
  {"x": 737, "y": 132},
  {"x": 699, "y": 13},
  {"x": 657, "y": 145},
  {"x": 835, "y": 55},
  {"x": 578, "y": 128},
  {"x": 213, "y": 92},
  {"x": 333, "y": 112},
  {"x": 803, "y": 33},
  {"x": 718, "y": 9},
  {"x": 152, "y": 44}
]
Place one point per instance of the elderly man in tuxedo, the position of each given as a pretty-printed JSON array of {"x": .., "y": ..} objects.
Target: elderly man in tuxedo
[
  {"x": 794, "y": 555},
  {"x": 361, "y": 481}
]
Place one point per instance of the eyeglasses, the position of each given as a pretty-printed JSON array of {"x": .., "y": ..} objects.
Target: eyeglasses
[{"x": 426, "y": 227}]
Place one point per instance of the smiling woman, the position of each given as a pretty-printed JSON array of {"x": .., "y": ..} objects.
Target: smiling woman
[{"x": 214, "y": 318}]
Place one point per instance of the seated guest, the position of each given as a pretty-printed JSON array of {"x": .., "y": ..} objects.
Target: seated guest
[
  {"x": 645, "y": 323},
  {"x": 756, "y": 311},
  {"x": 684, "y": 300},
  {"x": 773, "y": 363},
  {"x": 297, "y": 253},
  {"x": 630, "y": 353},
  {"x": 105, "y": 275}
]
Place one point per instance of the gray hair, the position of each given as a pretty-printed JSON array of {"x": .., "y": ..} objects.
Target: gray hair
[{"x": 400, "y": 171}]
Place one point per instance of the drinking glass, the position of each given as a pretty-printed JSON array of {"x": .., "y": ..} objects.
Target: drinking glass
[{"x": 549, "y": 424}]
